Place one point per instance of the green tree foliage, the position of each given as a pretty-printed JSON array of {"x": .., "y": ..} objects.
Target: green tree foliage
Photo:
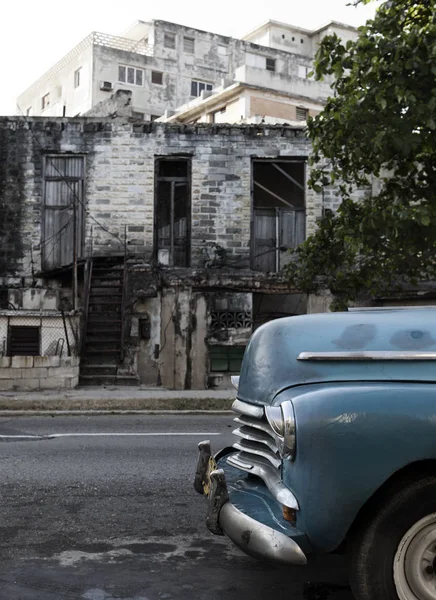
[{"x": 380, "y": 123}]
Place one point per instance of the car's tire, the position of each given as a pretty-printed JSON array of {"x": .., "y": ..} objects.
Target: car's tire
[{"x": 396, "y": 533}]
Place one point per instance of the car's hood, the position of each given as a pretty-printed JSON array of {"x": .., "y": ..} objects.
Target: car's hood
[{"x": 272, "y": 364}]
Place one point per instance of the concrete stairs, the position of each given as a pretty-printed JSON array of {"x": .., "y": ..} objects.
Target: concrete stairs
[{"x": 101, "y": 357}]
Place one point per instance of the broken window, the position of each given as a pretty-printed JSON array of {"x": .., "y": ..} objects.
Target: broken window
[
  {"x": 157, "y": 77},
  {"x": 24, "y": 340},
  {"x": 199, "y": 86},
  {"x": 189, "y": 45},
  {"x": 173, "y": 210},
  {"x": 170, "y": 40},
  {"x": 278, "y": 212},
  {"x": 301, "y": 113},
  {"x": 226, "y": 359},
  {"x": 45, "y": 101},
  {"x": 270, "y": 64},
  {"x": 63, "y": 211}
]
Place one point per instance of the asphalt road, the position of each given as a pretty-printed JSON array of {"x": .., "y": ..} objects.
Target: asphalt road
[{"x": 99, "y": 517}]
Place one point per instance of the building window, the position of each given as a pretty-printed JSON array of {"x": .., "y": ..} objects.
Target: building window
[
  {"x": 198, "y": 86},
  {"x": 279, "y": 216},
  {"x": 157, "y": 77},
  {"x": 226, "y": 359},
  {"x": 138, "y": 115},
  {"x": 222, "y": 50},
  {"x": 170, "y": 41},
  {"x": 45, "y": 101},
  {"x": 173, "y": 211},
  {"x": 302, "y": 41},
  {"x": 304, "y": 71},
  {"x": 130, "y": 75},
  {"x": 24, "y": 340},
  {"x": 154, "y": 117},
  {"x": 77, "y": 78},
  {"x": 270, "y": 64},
  {"x": 63, "y": 210},
  {"x": 301, "y": 114},
  {"x": 189, "y": 45}
]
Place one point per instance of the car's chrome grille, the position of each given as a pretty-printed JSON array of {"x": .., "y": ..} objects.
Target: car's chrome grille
[
  {"x": 257, "y": 452},
  {"x": 255, "y": 436}
]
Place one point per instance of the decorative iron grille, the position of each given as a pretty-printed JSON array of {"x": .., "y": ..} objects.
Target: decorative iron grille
[{"x": 230, "y": 320}]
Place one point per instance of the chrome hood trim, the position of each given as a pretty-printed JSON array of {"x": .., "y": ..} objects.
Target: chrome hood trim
[{"x": 368, "y": 355}]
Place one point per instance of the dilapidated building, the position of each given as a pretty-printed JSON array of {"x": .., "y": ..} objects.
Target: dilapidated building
[{"x": 150, "y": 251}]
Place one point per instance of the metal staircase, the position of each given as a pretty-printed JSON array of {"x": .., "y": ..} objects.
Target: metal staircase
[{"x": 104, "y": 324}]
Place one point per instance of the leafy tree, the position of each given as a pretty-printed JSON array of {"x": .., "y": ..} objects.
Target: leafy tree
[{"x": 379, "y": 124}]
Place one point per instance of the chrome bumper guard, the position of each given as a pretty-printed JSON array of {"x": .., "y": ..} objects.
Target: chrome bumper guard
[{"x": 251, "y": 536}]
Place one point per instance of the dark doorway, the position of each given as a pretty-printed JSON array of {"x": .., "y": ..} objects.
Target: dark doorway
[
  {"x": 173, "y": 211},
  {"x": 279, "y": 214}
]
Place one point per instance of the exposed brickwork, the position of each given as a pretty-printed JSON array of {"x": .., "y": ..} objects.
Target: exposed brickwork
[{"x": 120, "y": 159}]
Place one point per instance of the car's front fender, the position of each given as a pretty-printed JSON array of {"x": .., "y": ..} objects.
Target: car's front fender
[{"x": 350, "y": 439}]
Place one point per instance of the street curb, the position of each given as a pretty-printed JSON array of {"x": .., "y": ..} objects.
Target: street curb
[
  {"x": 108, "y": 413},
  {"x": 108, "y": 405}
]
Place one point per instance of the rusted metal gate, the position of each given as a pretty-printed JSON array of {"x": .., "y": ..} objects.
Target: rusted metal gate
[{"x": 63, "y": 211}]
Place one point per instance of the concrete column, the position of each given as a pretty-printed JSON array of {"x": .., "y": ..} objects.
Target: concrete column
[{"x": 199, "y": 352}]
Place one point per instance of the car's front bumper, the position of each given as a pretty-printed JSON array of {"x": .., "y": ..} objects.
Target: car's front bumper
[{"x": 251, "y": 535}]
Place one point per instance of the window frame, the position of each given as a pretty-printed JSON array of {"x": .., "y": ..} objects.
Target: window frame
[
  {"x": 76, "y": 183},
  {"x": 21, "y": 327},
  {"x": 153, "y": 73},
  {"x": 77, "y": 77},
  {"x": 301, "y": 108},
  {"x": 135, "y": 75},
  {"x": 208, "y": 87},
  {"x": 226, "y": 351},
  {"x": 190, "y": 40},
  {"x": 272, "y": 63},
  {"x": 169, "y": 35},
  {"x": 45, "y": 101}
]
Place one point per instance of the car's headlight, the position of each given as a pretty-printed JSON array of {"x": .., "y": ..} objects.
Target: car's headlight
[{"x": 282, "y": 422}]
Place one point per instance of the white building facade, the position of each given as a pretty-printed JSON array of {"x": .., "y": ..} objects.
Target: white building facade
[{"x": 167, "y": 65}]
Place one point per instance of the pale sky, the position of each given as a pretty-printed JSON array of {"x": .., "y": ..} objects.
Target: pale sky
[{"x": 35, "y": 35}]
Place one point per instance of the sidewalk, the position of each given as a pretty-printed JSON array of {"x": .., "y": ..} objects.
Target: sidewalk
[{"x": 115, "y": 400}]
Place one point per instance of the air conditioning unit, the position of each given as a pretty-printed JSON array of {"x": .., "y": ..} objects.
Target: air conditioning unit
[{"x": 106, "y": 86}]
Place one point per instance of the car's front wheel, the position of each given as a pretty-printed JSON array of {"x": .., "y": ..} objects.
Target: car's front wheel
[{"x": 393, "y": 551}]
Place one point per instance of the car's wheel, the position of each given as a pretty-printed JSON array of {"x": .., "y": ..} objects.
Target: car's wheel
[{"x": 393, "y": 551}]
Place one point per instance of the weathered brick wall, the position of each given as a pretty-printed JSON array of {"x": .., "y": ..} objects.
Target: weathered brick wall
[{"x": 120, "y": 159}]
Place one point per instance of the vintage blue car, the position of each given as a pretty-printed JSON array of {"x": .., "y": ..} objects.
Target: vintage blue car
[{"x": 335, "y": 449}]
